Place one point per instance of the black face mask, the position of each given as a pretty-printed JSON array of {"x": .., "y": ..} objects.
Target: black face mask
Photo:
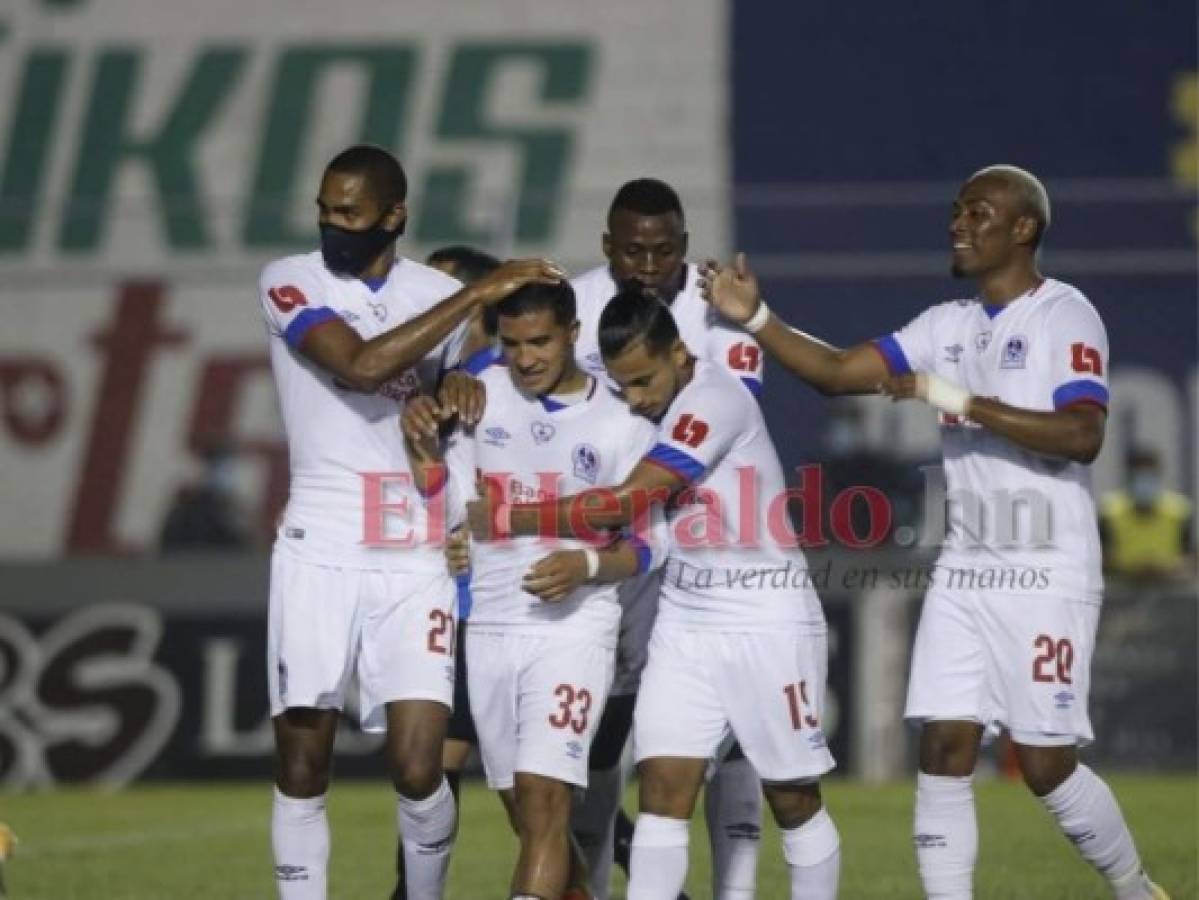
[{"x": 349, "y": 252}]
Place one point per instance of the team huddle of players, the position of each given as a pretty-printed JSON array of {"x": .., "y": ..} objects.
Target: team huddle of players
[{"x": 543, "y": 457}]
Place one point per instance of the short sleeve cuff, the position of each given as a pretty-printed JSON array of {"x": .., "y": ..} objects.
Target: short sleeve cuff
[
  {"x": 305, "y": 322},
  {"x": 753, "y": 385},
  {"x": 480, "y": 360},
  {"x": 892, "y": 354},
  {"x": 1081, "y": 391},
  {"x": 675, "y": 460}
]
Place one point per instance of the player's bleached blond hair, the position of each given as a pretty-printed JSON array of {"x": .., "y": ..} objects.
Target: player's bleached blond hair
[{"x": 1033, "y": 196}]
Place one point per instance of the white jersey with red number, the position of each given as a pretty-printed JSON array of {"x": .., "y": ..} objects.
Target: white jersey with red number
[
  {"x": 1022, "y": 521},
  {"x": 538, "y": 449},
  {"x": 733, "y": 561},
  {"x": 707, "y": 334},
  {"x": 341, "y": 442}
]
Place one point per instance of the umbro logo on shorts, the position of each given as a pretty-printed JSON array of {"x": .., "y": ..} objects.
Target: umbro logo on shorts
[
  {"x": 574, "y": 749},
  {"x": 296, "y": 534}
]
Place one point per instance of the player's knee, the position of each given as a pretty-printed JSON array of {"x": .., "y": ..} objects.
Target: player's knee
[
  {"x": 302, "y": 773},
  {"x": 542, "y": 807},
  {"x": 416, "y": 778},
  {"x": 668, "y": 792},
  {"x": 793, "y": 804},
  {"x": 1045, "y": 768},
  {"x": 948, "y": 750}
]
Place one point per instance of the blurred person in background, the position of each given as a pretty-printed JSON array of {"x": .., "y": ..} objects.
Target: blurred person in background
[
  {"x": 354, "y": 332},
  {"x": 1145, "y": 527},
  {"x": 1018, "y": 376},
  {"x": 205, "y": 514},
  {"x": 645, "y": 246}
]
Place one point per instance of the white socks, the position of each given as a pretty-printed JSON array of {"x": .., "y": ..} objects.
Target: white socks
[
  {"x": 427, "y": 835},
  {"x": 946, "y": 835},
  {"x": 659, "y": 858},
  {"x": 592, "y": 823},
  {"x": 813, "y": 854},
  {"x": 1089, "y": 816},
  {"x": 300, "y": 840},
  {"x": 733, "y": 807}
]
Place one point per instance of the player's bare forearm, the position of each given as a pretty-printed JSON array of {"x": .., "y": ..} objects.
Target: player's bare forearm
[
  {"x": 1074, "y": 433},
  {"x": 364, "y": 365},
  {"x": 587, "y": 514},
  {"x": 830, "y": 370}
]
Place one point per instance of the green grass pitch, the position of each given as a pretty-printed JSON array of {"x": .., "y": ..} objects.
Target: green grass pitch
[{"x": 208, "y": 841}]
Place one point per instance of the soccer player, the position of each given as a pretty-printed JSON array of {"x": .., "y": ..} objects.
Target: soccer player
[
  {"x": 646, "y": 245},
  {"x": 468, "y": 265},
  {"x": 541, "y": 648},
  {"x": 1018, "y": 375},
  {"x": 739, "y": 647},
  {"x": 354, "y": 330}
]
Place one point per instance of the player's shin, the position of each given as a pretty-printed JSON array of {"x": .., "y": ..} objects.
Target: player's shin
[
  {"x": 427, "y": 829},
  {"x": 1087, "y": 812},
  {"x": 300, "y": 840},
  {"x": 813, "y": 854},
  {"x": 659, "y": 858},
  {"x": 733, "y": 808},
  {"x": 945, "y": 835}
]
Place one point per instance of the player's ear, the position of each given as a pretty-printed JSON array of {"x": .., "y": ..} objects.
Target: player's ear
[
  {"x": 1025, "y": 230},
  {"x": 574, "y": 332},
  {"x": 606, "y": 244},
  {"x": 678, "y": 353},
  {"x": 683, "y": 244},
  {"x": 397, "y": 218}
]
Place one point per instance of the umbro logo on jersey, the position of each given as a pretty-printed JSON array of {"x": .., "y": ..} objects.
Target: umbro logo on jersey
[
  {"x": 296, "y": 534},
  {"x": 953, "y": 353},
  {"x": 496, "y": 436},
  {"x": 542, "y": 432},
  {"x": 982, "y": 341},
  {"x": 348, "y": 315},
  {"x": 586, "y": 462},
  {"x": 1015, "y": 352},
  {"x": 379, "y": 310}
]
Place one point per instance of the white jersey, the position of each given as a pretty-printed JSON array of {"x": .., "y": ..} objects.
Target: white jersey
[
  {"x": 342, "y": 441},
  {"x": 539, "y": 449},
  {"x": 1020, "y": 521},
  {"x": 706, "y": 333},
  {"x": 733, "y": 562}
]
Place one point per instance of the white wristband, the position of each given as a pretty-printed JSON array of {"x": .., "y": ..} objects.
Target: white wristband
[
  {"x": 758, "y": 320},
  {"x": 592, "y": 562},
  {"x": 944, "y": 395}
]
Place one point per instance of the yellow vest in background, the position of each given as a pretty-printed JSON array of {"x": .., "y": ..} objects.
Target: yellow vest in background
[{"x": 1150, "y": 540}]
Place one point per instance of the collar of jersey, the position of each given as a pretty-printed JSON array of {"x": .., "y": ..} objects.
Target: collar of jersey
[
  {"x": 994, "y": 309},
  {"x": 549, "y": 404}
]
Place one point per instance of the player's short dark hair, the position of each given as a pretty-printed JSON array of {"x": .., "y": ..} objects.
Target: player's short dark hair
[
  {"x": 646, "y": 197},
  {"x": 383, "y": 173},
  {"x": 558, "y": 297},
  {"x": 631, "y": 316},
  {"x": 469, "y": 263}
]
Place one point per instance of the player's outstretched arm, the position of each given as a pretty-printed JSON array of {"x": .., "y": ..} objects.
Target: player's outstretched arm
[
  {"x": 583, "y": 516},
  {"x": 1074, "y": 432},
  {"x": 733, "y": 291},
  {"x": 364, "y": 365}
]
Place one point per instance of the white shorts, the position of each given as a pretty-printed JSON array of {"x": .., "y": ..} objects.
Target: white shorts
[
  {"x": 394, "y": 630},
  {"x": 1010, "y": 661},
  {"x": 638, "y": 610},
  {"x": 766, "y": 689},
  {"x": 537, "y": 700}
]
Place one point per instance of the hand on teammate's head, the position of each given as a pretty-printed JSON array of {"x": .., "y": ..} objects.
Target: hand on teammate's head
[{"x": 512, "y": 276}]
